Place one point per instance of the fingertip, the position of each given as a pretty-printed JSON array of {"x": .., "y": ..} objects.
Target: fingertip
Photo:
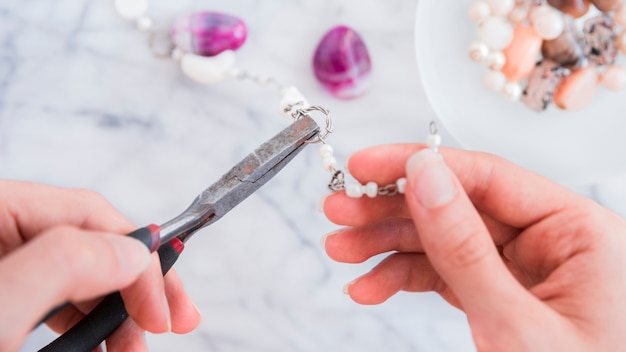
[
  {"x": 133, "y": 257},
  {"x": 432, "y": 182}
]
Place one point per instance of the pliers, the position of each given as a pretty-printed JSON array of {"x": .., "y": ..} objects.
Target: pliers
[{"x": 232, "y": 188}]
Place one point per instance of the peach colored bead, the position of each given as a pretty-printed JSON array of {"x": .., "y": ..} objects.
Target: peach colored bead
[
  {"x": 521, "y": 55},
  {"x": 578, "y": 89}
]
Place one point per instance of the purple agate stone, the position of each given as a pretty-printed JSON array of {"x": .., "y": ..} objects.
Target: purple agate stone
[
  {"x": 209, "y": 33},
  {"x": 342, "y": 63}
]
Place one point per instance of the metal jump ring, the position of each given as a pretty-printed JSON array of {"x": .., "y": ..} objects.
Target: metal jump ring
[
  {"x": 329, "y": 121},
  {"x": 433, "y": 127}
]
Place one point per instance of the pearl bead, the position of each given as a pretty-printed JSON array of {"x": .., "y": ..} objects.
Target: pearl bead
[
  {"x": 433, "y": 141},
  {"x": 208, "y": 70},
  {"x": 501, "y": 7},
  {"x": 620, "y": 15},
  {"x": 329, "y": 162},
  {"x": 131, "y": 9},
  {"x": 478, "y": 51},
  {"x": 326, "y": 150},
  {"x": 495, "y": 81},
  {"x": 479, "y": 11},
  {"x": 548, "y": 23},
  {"x": 614, "y": 78},
  {"x": 401, "y": 184},
  {"x": 496, "y": 60},
  {"x": 354, "y": 190},
  {"x": 144, "y": 23},
  {"x": 371, "y": 189},
  {"x": 496, "y": 32},
  {"x": 512, "y": 91}
]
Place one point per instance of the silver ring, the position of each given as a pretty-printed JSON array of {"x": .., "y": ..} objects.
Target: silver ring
[{"x": 329, "y": 122}]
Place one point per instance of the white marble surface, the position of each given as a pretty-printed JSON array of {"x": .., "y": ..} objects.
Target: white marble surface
[{"x": 83, "y": 103}]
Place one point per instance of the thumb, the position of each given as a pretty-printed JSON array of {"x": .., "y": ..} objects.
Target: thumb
[
  {"x": 456, "y": 240},
  {"x": 63, "y": 264}
]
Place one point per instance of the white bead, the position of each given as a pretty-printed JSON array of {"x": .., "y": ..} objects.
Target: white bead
[
  {"x": 512, "y": 91},
  {"x": 478, "y": 51},
  {"x": 401, "y": 184},
  {"x": 354, "y": 190},
  {"x": 371, "y": 189},
  {"x": 501, "y": 7},
  {"x": 326, "y": 150},
  {"x": 620, "y": 15},
  {"x": 131, "y": 9},
  {"x": 496, "y": 32},
  {"x": 496, "y": 60},
  {"x": 433, "y": 141},
  {"x": 208, "y": 70},
  {"x": 548, "y": 23},
  {"x": 614, "y": 78},
  {"x": 494, "y": 81},
  {"x": 479, "y": 11},
  {"x": 329, "y": 162},
  {"x": 144, "y": 23},
  {"x": 292, "y": 99}
]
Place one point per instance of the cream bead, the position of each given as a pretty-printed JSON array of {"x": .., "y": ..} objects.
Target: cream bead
[
  {"x": 401, "y": 184},
  {"x": 479, "y": 11},
  {"x": 496, "y": 60},
  {"x": 614, "y": 78},
  {"x": 208, "y": 70},
  {"x": 512, "y": 91},
  {"x": 326, "y": 150},
  {"x": 292, "y": 99},
  {"x": 478, "y": 51},
  {"x": 496, "y": 32},
  {"x": 131, "y": 9},
  {"x": 548, "y": 23},
  {"x": 329, "y": 162},
  {"x": 354, "y": 190},
  {"x": 371, "y": 189},
  {"x": 494, "y": 81},
  {"x": 433, "y": 141},
  {"x": 501, "y": 7}
]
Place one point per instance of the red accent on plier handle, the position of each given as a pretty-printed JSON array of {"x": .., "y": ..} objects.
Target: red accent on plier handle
[{"x": 149, "y": 235}]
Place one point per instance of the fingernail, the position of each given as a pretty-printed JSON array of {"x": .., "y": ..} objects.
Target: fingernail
[
  {"x": 320, "y": 203},
  {"x": 432, "y": 180},
  {"x": 168, "y": 317},
  {"x": 325, "y": 237},
  {"x": 133, "y": 256},
  {"x": 346, "y": 287}
]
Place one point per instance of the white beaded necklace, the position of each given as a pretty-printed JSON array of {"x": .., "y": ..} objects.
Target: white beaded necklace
[{"x": 293, "y": 105}]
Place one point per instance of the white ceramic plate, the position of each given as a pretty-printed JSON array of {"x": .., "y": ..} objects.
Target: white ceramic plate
[{"x": 572, "y": 148}]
